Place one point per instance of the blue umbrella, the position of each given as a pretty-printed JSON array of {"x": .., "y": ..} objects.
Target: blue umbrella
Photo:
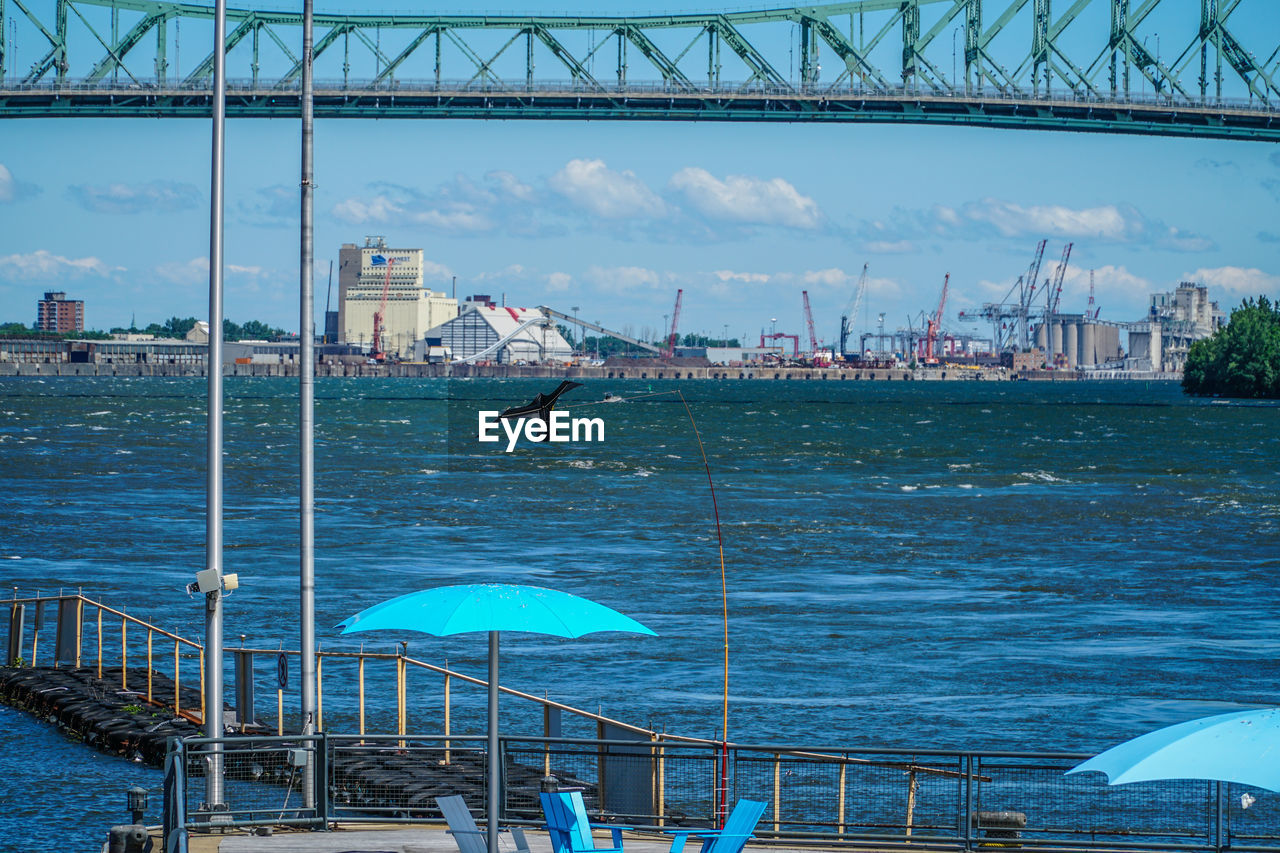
[
  {"x": 492, "y": 607},
  {"x": 1239, "y": 747}
]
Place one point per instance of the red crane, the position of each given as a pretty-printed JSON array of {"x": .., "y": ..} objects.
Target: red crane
[
  {"x": 670, "y": 349},
  {"x": 935, "y": 324},
  {"x": 795, "y": 341},
  {"x": 376, "y": 352},
  {"x": 808, "y": 319}
]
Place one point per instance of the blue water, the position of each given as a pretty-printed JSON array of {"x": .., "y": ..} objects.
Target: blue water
[{"x": 1005, "y": 566}]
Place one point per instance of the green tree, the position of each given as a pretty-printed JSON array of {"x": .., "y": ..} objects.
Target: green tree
[
  {"x": 175, "y": 327},
  {"x": 567, "y": 334},
  {"x": 1242, "y": 359},
  {"x": 256, "y": 330}
]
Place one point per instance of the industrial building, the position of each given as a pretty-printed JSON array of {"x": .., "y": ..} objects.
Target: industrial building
[
  {"x": 57, "y": 313},
  {"x": 731, "y": 355},
  {"x": 1175, "y": 321},
  {"x": 1073, "y": 341},
  {"x": 375, "y": 279},
  {"x": 485, "y": 330}
]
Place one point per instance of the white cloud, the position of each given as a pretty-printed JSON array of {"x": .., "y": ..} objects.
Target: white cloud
[
  {"x": 742, "y": 198},
  {"x": 510, "y": 185},
  {"x": 432, "y": 271},
  {"x": 1239, "y": 282},
  {"x": 193, "y": 271},
  {"x": 1107, "y": 222},
  {"x": 622, "y": 279},
  {"x": 832, "y": 277},
  {"x": 593, "y": 186},
  {"x": 8, "y": 189},
  {"x": 1183, "y": 241},
  {"x": 383, "y": 209},
  {"x": 376, "y": 210},
  {"x": 1108, "y": 281},
  {"x": 558, "y": 282},
  {"x": 148, "y": 197},
  {"x": 43, "y": 264},
  {"x": 744, "y": 277},
  {"x": 506, "y": 273},
  {"x": 452, "y": 220},
  {"x": 196, "y": 271},
  {"x": 890, "y": 247}
]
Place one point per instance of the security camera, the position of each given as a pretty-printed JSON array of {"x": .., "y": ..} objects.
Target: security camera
[{"x": 207, "y": 580}]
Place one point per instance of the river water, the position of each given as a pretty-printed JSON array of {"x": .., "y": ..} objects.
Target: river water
[{"x": 983, "y": 565}]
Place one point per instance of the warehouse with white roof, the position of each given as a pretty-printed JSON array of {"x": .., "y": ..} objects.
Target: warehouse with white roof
[{"x": 489, "y": 332}]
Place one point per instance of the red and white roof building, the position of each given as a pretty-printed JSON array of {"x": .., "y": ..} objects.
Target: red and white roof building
[{"x": 482, "y": 324}]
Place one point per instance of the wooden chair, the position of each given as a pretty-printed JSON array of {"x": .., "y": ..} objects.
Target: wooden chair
[
  {"x": 462, "y": 826},
  {"x": 736, "y": 833},
  {"x": 569, "y": 827}
]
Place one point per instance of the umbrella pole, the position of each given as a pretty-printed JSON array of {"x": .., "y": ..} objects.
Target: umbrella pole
[{"x": 495, "y": 761}]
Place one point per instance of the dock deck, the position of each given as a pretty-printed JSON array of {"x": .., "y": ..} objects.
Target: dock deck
[{"x": 397, "y": 839}]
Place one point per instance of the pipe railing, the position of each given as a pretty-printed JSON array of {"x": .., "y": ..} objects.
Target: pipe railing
[
  {"x": 155, "y": 664},
  {"x": 829, "y": 91},
  {"x": 958, "y": 800}
]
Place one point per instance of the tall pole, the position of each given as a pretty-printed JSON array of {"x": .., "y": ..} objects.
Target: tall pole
[
  {"x": 495, "y": 760},
  {"x": 213, "y": 482},
  {"x": 306, "y": 415}
]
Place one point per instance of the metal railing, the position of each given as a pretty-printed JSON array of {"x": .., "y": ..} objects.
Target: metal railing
[
  {"x": 888, "y": 798},
  {"x": 151, "y": 663},
  {"x": 631, "y": 775},
  {"x": 641, "y": 89},
  {"x": 357, "y": 690}
]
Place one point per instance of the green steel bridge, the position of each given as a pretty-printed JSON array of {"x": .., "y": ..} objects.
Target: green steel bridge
[{"x": 1206, "y": 68}]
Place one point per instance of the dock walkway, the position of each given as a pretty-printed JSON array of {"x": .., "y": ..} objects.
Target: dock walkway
[{"x": 395, "y": 839}]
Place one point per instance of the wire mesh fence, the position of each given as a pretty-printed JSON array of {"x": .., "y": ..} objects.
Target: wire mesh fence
[
  {"x": 248, "y": 781},
  {"x": 891, "y": 798}
]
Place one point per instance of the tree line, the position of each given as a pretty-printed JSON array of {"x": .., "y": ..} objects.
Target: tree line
[
  {"x": 174, "y": 327},
  {"x": 1242, "y": 359},
  {"x": 608, "y": 346}
]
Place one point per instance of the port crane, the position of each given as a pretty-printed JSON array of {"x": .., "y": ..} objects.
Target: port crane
[
  {"x": 376, "y": 352},
  {"x": 815, "y": 345},
  {"x": 1054, "y": 295},
  {"x": 795, "y": 341},
  {"x": 1011, "y": 318},
  {"x": 850, "y": 316},
  {"x": 670, "y": 349},
  {"x": 808, "y": 319},
  {"x": 935, "y": 324}
]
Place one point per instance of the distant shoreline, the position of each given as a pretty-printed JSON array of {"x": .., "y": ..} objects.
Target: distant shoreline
[{"x": 513, "y": 371}]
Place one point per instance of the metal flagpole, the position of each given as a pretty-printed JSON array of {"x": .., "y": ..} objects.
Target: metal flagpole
[
  {"x": 495, "y": 760},
  {"x": 306, "y": 373},
  {"x": 213, "y": 486}
]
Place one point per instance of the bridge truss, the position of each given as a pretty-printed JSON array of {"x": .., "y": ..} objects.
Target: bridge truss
[{"x": 1176, "y": 67}]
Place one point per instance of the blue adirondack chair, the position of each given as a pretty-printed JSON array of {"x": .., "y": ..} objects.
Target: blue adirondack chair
[
  {"x": 737, "y": 830},
  {"x": 569, "y": 827}
]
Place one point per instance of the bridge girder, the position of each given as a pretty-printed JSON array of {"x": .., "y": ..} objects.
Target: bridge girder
[{"x": 1086, "y": 54}]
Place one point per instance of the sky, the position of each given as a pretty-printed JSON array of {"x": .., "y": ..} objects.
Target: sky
[{"x": 615, "y": 217}]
